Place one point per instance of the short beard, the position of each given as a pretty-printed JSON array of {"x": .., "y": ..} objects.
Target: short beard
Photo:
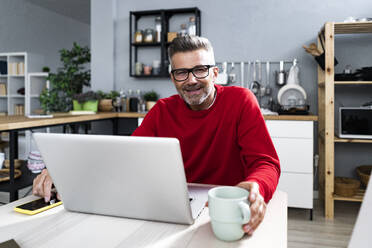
[{"x": 200, "y": 100}]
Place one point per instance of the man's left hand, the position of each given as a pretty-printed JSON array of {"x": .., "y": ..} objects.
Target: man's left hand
[{"x": 257, "y": 206}]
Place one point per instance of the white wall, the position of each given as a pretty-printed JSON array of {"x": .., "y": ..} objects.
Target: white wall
[{"x": 30, "y": 28}]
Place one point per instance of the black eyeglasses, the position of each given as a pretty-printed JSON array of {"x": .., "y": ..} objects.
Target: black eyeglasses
[{"x": 199, "y": 71}]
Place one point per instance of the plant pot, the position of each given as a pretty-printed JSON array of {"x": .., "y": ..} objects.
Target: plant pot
[
  {"x": 76, "y": 105},
  {"x": 91, "y": 105},
  {"x": 149, "y": 105},
  {"x": 105, "y": 105}
]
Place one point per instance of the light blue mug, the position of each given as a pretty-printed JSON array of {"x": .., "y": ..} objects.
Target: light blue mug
[{"x": 229, "y": 210}]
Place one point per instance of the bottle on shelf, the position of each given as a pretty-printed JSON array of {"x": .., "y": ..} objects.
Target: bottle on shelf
[
  {"x": 183, "y": 31},
  {"x": 191, "y": 29},
  {"x": 141, "y": 102},
  {"x": 158, "y": 29},
  {"x": 123, "y": 100},
  {"x": 133, "y": 102},
  {"x": 138, "y": 36},
  {"x": 149, "y": 35}
]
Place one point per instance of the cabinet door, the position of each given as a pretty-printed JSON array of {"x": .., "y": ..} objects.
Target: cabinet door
[
  {"x": 290, "y": 129},
  {"x": 295, "y": 154},
  {"x": 299, "y": 188}
]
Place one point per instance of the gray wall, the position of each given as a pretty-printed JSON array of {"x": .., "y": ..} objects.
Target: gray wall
[
  {"x": 266, "y": 30},
  {"x": 102, "y": 44},
  {"x": 30, "y": 28}
]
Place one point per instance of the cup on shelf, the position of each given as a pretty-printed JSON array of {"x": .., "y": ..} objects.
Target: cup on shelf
[{"x": 35, "y": 162}]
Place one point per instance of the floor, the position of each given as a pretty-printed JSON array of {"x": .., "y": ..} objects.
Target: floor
[{"x": 303, "y": 233}]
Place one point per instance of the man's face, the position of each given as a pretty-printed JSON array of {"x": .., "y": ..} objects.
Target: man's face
[{"x": 198, "y": 93}]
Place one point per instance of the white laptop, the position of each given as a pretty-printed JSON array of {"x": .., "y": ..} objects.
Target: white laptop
[{"x": 134, "y": 177}]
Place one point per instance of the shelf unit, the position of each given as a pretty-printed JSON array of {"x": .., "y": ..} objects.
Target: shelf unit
[
  {"x": 14, "y": 79},
  {"x": 326, "y": 103},
  {"x": 18, "y": 66},
  {"x": 166, "y": 15}
]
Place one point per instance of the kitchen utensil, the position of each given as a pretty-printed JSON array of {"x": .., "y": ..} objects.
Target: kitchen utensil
[
  {"x": 268, "y": 89},
  {"x": 292, "y": 94},
  {"x": 262, "y": 88},
  {"x": 242, "y": 74},
  {"x": 254, "y": 87},
  {"x": 248, "y": 73},
  {"x": 280, "y": 75},
  {"x": 222, "y": 76},
  {"x": 231, "y": 76}
]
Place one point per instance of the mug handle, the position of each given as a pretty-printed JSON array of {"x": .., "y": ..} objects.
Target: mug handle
[{"x": 246, "y": 211}]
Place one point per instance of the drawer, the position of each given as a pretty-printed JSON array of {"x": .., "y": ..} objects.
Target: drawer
[
  {"x": 290, "y": 129},
  {"x": 295, "y": 155},
  {"x": 299, "y": 188}
]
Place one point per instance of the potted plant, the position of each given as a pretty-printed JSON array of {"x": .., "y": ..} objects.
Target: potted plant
[
  {"x": 105, "y": 100},
  {"x": 150, "y": 97},
  {"x": 86, "y": 101},
  {"x": 68, "y": 81}
]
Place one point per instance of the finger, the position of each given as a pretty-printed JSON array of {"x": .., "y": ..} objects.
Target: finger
[
  {"x": 258, "y": 221},
  {"x": 206, "y": 204},
  {"x": 38, "y": 184},
  {"x": 256, "y": 217},
  {"x": 253, "y": 193},
  {"x": 47, "y": 189}
]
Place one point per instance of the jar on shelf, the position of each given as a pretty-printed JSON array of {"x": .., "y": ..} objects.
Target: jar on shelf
[
  {"x": 138, "y": 36},
  {"x": 158, "y": 29},
  {"x": 147, "y": 69},
  {"x": 149, "y": 35},
  {"x": 191, "y": 29},
  {"x": 139, "y": 68},
  {"x": 156, "y": 67},
  {"x": 183, "y": 31}
]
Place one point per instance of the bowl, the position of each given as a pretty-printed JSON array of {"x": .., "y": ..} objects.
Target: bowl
[
  {"x": 346, "y": 186},
  {"x": 364, "y": 172},
  {"x": 17, "y": 163}
]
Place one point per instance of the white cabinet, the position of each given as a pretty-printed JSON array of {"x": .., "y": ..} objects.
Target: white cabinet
[{"x": 294, "y": 143}]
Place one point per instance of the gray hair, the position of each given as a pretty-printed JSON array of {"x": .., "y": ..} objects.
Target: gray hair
[{"x": 188, "y": 44}]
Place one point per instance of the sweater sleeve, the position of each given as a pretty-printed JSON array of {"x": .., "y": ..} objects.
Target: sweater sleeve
[
  {"x": 257, "y": 149},
  {"x": 149, "y": 123}
]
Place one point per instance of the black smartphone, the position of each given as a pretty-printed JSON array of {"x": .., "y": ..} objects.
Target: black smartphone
[{"x": 38, "y": 205}]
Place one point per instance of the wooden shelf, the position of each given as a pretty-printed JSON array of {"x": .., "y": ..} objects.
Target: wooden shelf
[
  {"x": 321, "y": 84},
  {"x": 340, "y": 140},
  {"x": 151, "y": 76},
  {"x": 353, "y": 82},
  {"x": 146, "y": 44},
  {"x": 353, "y": 27},
  {"x": 326, "y": 113},
  {"x": 356, "y": 198}
]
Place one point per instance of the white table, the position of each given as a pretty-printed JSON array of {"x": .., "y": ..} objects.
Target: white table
[{"x": 60, "y": 228}]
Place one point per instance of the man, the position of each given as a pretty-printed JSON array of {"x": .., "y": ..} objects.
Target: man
[{"x": 222, "y": 133}]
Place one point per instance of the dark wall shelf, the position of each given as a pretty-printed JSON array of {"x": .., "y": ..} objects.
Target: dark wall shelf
[
  {"x": 25, "y": 180},
  {"x": 166, "y": 15}
]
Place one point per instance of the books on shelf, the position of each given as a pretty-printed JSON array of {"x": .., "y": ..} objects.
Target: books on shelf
[
  {"x": 16, "y": 69},
  {"x": 3, "y": 89},
  {"x": 19, "y": 109}
]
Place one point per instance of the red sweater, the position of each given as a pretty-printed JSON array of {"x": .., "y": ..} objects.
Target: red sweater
[{"x": 225, "y": 144}]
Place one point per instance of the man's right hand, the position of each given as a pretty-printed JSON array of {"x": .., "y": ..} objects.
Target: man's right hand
[{"x": 43, "y": 186}]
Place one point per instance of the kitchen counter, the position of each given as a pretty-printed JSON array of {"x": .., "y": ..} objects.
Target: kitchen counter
[{"x": 292, "y": 117}]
